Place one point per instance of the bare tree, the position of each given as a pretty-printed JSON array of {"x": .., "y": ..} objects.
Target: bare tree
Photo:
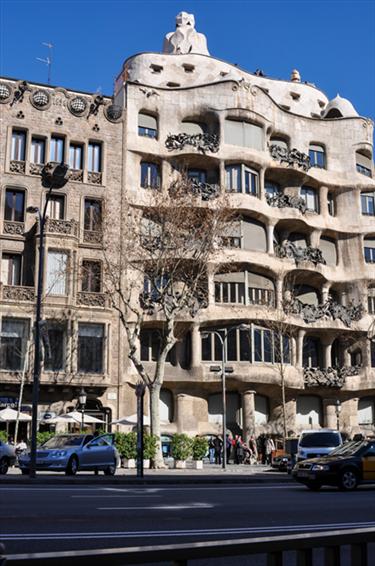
[{"x": 159, "y": 271}]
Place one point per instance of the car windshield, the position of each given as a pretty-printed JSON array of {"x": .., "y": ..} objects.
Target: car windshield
[
  {"x": 64, "y": 440},
  {"x": 347, "y": 449},
  {"x": 321, "y": 439}
]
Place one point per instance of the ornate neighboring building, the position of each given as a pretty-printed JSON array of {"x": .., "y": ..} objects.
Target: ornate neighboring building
[{"x": 299, "y": 172}]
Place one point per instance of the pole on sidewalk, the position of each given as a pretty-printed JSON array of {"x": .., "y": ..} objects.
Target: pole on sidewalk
[{"x": 140, "y": 392}]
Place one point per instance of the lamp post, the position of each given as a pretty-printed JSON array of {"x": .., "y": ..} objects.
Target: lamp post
[
  {"x": 338, "y": 411},
  {"x": 54, "y": 176},
  {"x": 222, "y": 335},
  {"x": 82, "y": 403}
]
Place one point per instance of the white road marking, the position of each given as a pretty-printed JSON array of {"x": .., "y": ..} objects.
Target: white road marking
[
  {"x": 186, "y": 532},
  {"x": 162, "y": 507},
  {"x": 108, "y": 496}
]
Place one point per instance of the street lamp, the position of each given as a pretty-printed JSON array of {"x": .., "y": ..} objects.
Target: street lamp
[
  {"x": 222, "y": 334},
  {"x": 82, "y": 403},
  {"x": 338, "y": 411},
  {"x": 54, "y": 176}
]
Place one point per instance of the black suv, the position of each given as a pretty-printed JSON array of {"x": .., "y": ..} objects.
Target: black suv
[{"x": 346, "y": 467}]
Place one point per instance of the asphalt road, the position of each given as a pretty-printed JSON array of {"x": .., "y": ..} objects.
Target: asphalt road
[{"x": 48, "y": 518}]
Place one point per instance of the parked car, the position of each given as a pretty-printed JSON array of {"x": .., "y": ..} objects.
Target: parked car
[
  {"x": 7, "y": 457},
  {"x": 72, "y": 452},
  {"x": 315, "y": 443},
  {"x": 346, "y": 467}
]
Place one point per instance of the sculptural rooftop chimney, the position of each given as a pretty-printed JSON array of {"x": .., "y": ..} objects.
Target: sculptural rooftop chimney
[{"x": 185, "y": 39}]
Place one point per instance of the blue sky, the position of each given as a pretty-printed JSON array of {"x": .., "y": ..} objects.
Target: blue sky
[{"x": 331, "y": 43}]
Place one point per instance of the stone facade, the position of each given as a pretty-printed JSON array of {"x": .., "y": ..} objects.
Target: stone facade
[{"x": 300, "y": 175}]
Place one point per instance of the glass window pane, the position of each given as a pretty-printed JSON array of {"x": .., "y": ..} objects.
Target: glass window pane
[
  {"x": 90, "y": 348},
  {"x": 206, "y": 349},
  {"x": 56, "y": 360},
  {"x": 56, "y": 273},
  {"x": 267, "y": 337},
  {"x": 245, "y": 346},
  {"x": 14, "y": 205},
  {"x": 257, "y": 345},
  {"x": 232, "y": 346},
  {"x": 37, "y": 150}
]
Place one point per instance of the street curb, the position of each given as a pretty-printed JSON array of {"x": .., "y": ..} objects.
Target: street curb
[{"x": 123, "y": 480}]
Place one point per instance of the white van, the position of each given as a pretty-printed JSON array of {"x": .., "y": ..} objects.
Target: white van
[{"x": 316, "y": 443}]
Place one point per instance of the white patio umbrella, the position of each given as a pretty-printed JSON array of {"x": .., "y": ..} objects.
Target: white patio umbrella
[
  {"x": 132, "y": 420},
  {"x": 9, "y": 414},
  {"x": 60, "y": 419},
  {"x": 77, "y": 417}
]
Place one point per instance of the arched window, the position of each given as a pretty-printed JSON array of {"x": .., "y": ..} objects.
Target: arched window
[
  {"x": 368, "y": 203},
  {"x": 150, "y": 175},
  {"x": 272, "y": 189},
  {"x": 147, "y": 125},
  {"x": 166, "y": 406},
  {"x": 309, "y": 411},
  {"x": 371, "y": 300},
  {"x": 231, "y": 288},
  {"x": 311, "y": 352},
  {"x": 244, "y": 134},
  {"x": 262, "y": 411},
  {"x": 241, "y": 179},
  {"x": 253, "y": 235},
  {"x": 366, "y": 411},
  {"x": 328, "y": 249},
  {"x": 309, "y": 195},
  {"x": 363, "y": 163},
  {"x": 193, "y": 128},
  {"x": 369, "y": 249},
  {"x": 317, "y": 156}
]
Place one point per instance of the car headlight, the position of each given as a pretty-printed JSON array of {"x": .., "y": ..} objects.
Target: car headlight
[
  {"x": 320, "y": 468},
  {"x": 58, "y": 453}
]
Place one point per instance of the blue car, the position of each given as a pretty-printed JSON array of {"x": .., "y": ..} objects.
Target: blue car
[{"x": 72, "y": 452}]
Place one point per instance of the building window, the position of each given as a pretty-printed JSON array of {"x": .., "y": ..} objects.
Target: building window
[
  {"x": 229, "y": 292},
  {"x": 311, "y": 352},
  {"x": 38, "y": 150},
  {"x": 150, "y": 175},
  {"x": 373, "y": 354},
  {"x": 93, "y": 215},
  {"x": 231, "y": 288},
  {"x": 56, "y": 153},
  {"x": 308, "y": 194},
  {"x": 241, "y": 179},
  {"x": 95, "y": 157},
  {"x": 14, "y": 205},
  {"x": 371, "y": 300},
  {"x": 147, "y": 126},
  {"x": 272, "y": 189},
  {"x": 57, "y": 265},
  {"x": 91, "y": 276},
  {"x": 150, "y": 345},
  {"x": 259, "y": 296},
  {"x": 255, "y": 345},
  {"x": 197, "y": 175},
  {"x": 90, "y": 348},
  {"x": 317, "y": 156},
  {"x": 369, "y": 250},
  {"x": 18, "y": 145},
  {"x": 368, "y": 204},
  {"x": 13, "y": 341},
  {"x": 55, "y": 207},
  {"x": 55, "y": 352},
  {"x": 331, "y": 204},
  {"x": 11, "y": 269},
  {"x": 76, "y": 156},
  {"x": 243, "y": 134},
  {"x": 363, "y": 164}
]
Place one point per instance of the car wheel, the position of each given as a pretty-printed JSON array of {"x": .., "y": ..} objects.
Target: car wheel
[
  {"x": 314, "y": 485},
  {"x": 25, "y": 471},
  {"x": 348, "y": 480},
  {"x": 110, "y": 470},
  {"x": 72, "y": 467},
  {"x": 4, "y": 466}
]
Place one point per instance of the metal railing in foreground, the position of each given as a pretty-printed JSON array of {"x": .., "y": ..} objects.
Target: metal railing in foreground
[{"x": 358, "y": 541}]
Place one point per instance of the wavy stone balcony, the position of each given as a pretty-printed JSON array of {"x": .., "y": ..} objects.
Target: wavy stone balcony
[
  {"x": 287, "y": 201},
  {"x": 290, "y": 250},
  {"x": 291, "y": 157},
  {"x": 328, "y": 377},
  {"x": 13, "y": 228},
  {"x": 201, "y": 142},
  {"x": 87, "y": 299},
  {"x": 328, "y": 310},
  {"x": 17, "y": 293}
]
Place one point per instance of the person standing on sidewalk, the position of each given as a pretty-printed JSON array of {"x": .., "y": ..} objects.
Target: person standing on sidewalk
[
  {"x": 218, "y": 448},
  {"x": 270, "y": 447},
  {"x": 211, "y": 450}
]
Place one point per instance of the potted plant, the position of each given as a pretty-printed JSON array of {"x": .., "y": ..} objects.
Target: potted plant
[
  {"x": 149, "y": 448},
  {"x": 200, "y": 449},
  {"x": 181, "y": 449},
  {"x": 126, "y": 444}
]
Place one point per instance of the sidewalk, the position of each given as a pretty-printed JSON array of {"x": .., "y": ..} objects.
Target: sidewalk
[{"x": 211, "y": 473}]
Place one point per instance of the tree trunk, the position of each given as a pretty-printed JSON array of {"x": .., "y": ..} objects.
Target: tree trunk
[
  {"x": 283, "y": 400},
  {"x": 154, "y": 389}
]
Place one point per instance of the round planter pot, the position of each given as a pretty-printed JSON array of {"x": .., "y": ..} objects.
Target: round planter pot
[
  {"x": 180, "y": 464},
  {"x": 128, "y": 463}
]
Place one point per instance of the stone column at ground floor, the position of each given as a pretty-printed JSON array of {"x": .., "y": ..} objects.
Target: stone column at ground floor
[
  {"x": 248, "y": 414},
  {"x": 330, "y": 416}
]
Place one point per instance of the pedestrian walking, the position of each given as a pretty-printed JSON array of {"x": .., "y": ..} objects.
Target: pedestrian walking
[
  {"x": 270, "y": 446},
  {"x": 229, "y": 446},
  {"x": 218, "y": 449},
  {"x": 211, "y": 450},
  {"x": 238, "y": 450}
]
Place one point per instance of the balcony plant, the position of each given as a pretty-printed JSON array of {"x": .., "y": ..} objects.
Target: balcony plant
[
  {"x": 200, "y": 449},
  {"x": 181, "y": 449}
]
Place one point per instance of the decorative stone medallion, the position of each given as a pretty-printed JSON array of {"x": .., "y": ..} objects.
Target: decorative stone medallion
[
  {"x": 113, "y": 112},
  {"x": 5, "y": 93},
  {"x": 78, "y": 106},
  {"x": 40, "y": 99}
]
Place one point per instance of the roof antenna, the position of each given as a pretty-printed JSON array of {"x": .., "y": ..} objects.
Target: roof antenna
[{"x": 47, "y": 60}]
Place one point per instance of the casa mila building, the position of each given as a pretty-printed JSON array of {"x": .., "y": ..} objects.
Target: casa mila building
[{"x": 298, "y": 169}]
